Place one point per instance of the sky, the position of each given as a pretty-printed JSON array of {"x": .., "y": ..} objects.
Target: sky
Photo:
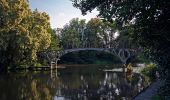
[{"x": 60, "y": 11}]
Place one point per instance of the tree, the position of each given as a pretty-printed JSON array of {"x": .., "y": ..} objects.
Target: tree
[
  {"x": 55, "y": 43},
  {"x": 92, "y": 32},
  {"x": 108, "y": 34},
  {"x": 12, "y": 13},
  {"x": 39, "y": 33},
  {"x": 149, "y": 20},
  {"x": 72, "y": 34},
  {"x": 22, "y": 33}
]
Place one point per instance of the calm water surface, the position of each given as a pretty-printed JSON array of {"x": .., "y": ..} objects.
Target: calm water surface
[{"x": 73, "y": 83}]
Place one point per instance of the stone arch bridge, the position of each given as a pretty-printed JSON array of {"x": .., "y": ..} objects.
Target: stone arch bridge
[{"x": 122, "y": 53}]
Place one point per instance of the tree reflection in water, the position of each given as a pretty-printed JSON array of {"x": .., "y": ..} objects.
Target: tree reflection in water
[
  {"x": 71, "y": 84},
  {"x": 114, "y": 85}
]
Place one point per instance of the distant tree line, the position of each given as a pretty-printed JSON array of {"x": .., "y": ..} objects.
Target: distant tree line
[{"x": 96, "y": 33}]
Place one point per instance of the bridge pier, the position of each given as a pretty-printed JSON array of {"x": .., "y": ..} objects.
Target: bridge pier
[
  {"x": 53, "y": 73},
  {"x": 51, "y": 65},
  {"x": 54, "y": 64},
  {"x": 124, "y": 55},
  {"x": 53, "y": 68}
]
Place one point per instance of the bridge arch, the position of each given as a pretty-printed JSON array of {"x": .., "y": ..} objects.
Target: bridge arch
[{"x": 123, "y": 54}]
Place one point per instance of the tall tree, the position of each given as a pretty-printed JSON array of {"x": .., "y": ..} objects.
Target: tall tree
[
  {"x": 72, "y": 33},
  {"x": 95, "y": 33},
  {"x": 22, "y": 33},
  {"x": 55, "y": 43},
  {"x": 92, "y": 33},
  {"x": 108, "y": 33}
]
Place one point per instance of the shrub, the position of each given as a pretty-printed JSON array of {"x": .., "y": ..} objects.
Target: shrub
[
  {"x": 149, "y": 70},
  {"x": 129, "y": 68}
]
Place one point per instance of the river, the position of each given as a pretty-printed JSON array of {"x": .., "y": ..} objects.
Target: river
[{"x": 86, "y": 82}]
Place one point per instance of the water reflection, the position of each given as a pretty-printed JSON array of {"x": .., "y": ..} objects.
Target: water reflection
[{"x": 70, "y": 84}]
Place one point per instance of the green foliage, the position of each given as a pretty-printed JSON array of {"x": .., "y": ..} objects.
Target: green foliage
[
  {"x": 92, "y": 33},
  {"x": 142, "y": 58},
  {"x": 22, "y": 33},
  {"x": 54, "y": 46},
  {"x": 72, "y": 33},
  {"x": 149, "y": 70},
  {"x": 96, "y": 33},
  {"x": 37, "y": 64}
]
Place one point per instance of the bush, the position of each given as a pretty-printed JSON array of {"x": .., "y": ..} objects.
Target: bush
[
  {"x": 37, "y": 65},
  {"x": 129, "y": 68},
  {"x": 149, "y": 70}
]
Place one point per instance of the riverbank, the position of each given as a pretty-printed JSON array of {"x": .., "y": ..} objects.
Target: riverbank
[
  {"x": 61, "y": 66},
  {"x": 135, "y": 69}
]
